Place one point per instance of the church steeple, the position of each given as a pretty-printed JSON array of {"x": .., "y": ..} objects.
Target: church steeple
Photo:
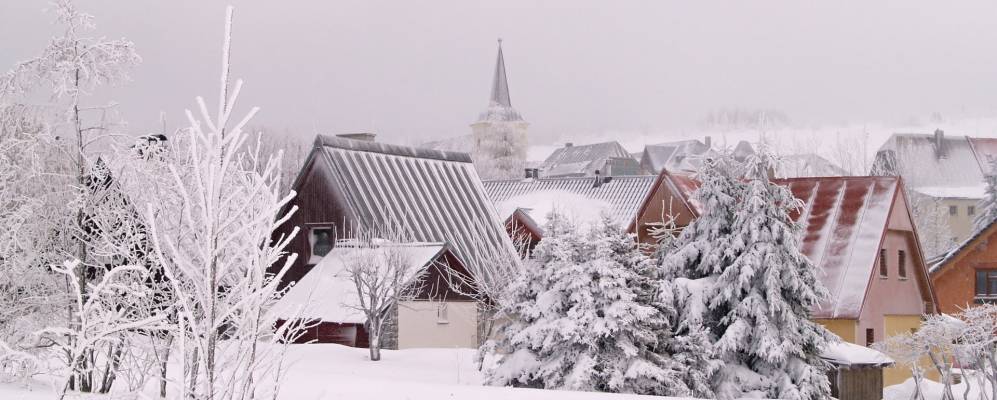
[
  {"x": 499, "y": 104},
  {"x": 500, "y": 84}
]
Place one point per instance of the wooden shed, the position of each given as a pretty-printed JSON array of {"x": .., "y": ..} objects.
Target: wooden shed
[{"x": 856, "y": 372}]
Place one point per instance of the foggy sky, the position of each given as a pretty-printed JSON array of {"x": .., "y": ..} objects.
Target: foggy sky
[{"x": 422, "y": 69}]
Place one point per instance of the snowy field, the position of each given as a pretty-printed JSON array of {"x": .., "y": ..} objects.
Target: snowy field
[{"x": 332, "y": 372}]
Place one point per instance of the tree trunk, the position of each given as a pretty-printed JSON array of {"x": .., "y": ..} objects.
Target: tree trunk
[
  {"x": 374, "y": 339},
  {"x": 163, "y": 365}
]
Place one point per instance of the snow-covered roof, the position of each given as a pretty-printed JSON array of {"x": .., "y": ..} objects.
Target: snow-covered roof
[
  {"x": 327, "y": 293},
  {"x": 808, "y": 164},
  {"x": 584, "y": 160},
  {"x": 929, "y": 160},
  {"x": 984, "y": 149},
  {"x": 437, "y": 194},
  {"x": 538, "y": 205},
  {"x": 953, "y": 192},
  {"x": 844, "y": 353},
  {"x": 944, "y": 260},
  {"x": 685, "y": 155},
  {"x": 621, "y": 195},
  {"x": 844, "y": 220}
]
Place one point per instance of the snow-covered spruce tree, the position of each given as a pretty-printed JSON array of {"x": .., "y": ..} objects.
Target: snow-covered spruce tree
[
  {"x": 702, "y": 247},
  {"x": 760, "y": 304},
  {"x": 986, "y": 209},
  {"x": 579, "y": 323},
  {"x": 212, "y": 235}
]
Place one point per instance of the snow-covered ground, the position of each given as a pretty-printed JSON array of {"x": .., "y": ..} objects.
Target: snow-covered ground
[
  {"x": 332, "y": 372},
  {"x": 933, "y": 390}
]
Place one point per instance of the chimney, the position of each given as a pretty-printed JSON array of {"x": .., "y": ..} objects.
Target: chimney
[
  {"x": 598, "y": 179},
  {"x": 361, "y": 136},
  {"x": 708, "y": 141},
  {"x": 939, "y": 143},
  {"x": 569, "y": 144}
]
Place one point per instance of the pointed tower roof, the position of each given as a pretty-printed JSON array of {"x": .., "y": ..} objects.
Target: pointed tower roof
[
  {"x": 499, "y": 105},
  {"x": 500, "y": 84}
]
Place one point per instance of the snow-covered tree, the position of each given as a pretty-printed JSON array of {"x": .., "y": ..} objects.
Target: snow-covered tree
[
  {"x": 383, "y": 275},
  {"x": 701, "y": 249},
  {"x": 579, "y": 323},
  {"x": 986, "y": 209},
  {"x": 760, "y": 304},
  {"x": 212, "y": 235}
]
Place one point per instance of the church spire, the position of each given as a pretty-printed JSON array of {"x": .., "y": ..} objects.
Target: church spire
[{"x": 500, "y": 84}]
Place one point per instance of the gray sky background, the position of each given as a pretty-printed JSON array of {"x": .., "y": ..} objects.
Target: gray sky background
[{"x": 413, "y": 70}]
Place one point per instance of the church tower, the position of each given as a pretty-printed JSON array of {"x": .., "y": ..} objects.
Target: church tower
[{"x": 499, "y": 134}]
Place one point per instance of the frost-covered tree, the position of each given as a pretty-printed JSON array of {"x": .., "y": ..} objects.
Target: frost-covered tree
[
  {"x": 760, "y": 304},
  {"x": 212, "y": 233},
  {"x": 986, "y": 209},
  {"x": 701, "y": 248},
  {"x": 579, "y": 322}
]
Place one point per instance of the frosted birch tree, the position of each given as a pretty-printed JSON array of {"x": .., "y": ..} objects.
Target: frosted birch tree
[{"x": 212, "y": 237}]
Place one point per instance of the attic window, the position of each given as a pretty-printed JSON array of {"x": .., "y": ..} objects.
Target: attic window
[
  {"x": 883, "y": 270},
  {"x": 902, "y": 264},
  {"x": 320, "y": 239}
]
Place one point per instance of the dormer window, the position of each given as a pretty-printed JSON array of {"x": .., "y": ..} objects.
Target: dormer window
[{"x": 321, "y": 242}]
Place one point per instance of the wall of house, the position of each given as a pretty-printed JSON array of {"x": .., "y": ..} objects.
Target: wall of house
[
  {"x": 318, "y": 202},
  {"x": 420, "y": 325},
  {"x": 662, "y": 202},
  {"x": 846, "y": 329},
  {"x": 955, "y": 284},
  {"x": 961, "y": 224}
]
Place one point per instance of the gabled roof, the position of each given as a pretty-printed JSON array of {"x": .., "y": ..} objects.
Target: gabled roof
[
  {"x": 956, "y": 252},
  {"x": 326, "y": 293},
  {"x": 929, "y": 160},
  {"x": 984, "y": 149},
  {"x": 582, "y": 160},
  {"x": 437, "y": 194},
  {"x": 622, "y": 195},
  {"x": 808, "y": 164},
  {"x": 844, "y": 219},
  {"x": 678, "y": 155}
]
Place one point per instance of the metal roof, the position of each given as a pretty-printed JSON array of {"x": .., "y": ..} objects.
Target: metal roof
[
  {"x": 623, "y": 194},
  {"x": 436, "y": 193},
  {"x": 928, "y": 160}
]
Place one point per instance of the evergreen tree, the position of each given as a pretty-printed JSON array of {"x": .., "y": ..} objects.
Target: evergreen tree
[
  {"x": 701, "y": 248},
  {"x": 986, "y": 209},
  {"x": 760, "y": 304},
  {"x": 579, "y": 319}
]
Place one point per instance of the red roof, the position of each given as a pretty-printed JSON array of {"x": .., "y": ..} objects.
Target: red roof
[
  {"x": 845, "y": 219},
  {"x": 984, "y": 148}
]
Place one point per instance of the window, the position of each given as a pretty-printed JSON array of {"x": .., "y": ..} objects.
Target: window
[
  {"x": 883, "y": 271},
  {"x": 902, "y": 264},
  {"x": 320, "y": 239},
  {"x": 953, "y": 210},
  {"x": 870, "y": 337},
  {"x": 986, "y": 283},
  {"x": 971, "y": 210},
  {"x": 441, "y": 314}
]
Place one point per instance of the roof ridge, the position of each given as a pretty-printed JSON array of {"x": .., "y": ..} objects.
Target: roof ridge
[{"x": 390, "y": 149}]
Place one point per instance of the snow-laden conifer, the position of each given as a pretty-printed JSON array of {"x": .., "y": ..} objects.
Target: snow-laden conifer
[
  {"x": 579, "y": 322},
  {"x": 986, "y": 209},
  {"x": 760, "y": 304}
]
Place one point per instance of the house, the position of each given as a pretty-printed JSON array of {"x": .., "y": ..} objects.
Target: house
[
  {"x": 685, "y": 155},
  {"x": 860, "y": 233},
  {"x": 525, "y": 203},
  {"x": 807, "y": 164},
  {"x": 605, "y": 159},
  {"x": 967, "y": 275},
  {"x": 434, "y": 314},
  {"x": 944, "y": 171},
  {"x": 350, "y": 182}
]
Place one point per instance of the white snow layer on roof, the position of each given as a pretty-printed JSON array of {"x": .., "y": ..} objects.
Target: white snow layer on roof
[
  {"x": 958, "y": 192},
  {"x": 844, "y": 353},
  {"x": 327, "y": 293},
  {"x": 579, "y": 209}
]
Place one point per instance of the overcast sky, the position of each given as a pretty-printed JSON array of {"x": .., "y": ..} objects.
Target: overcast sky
[{"x": 422, "y": 69}]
